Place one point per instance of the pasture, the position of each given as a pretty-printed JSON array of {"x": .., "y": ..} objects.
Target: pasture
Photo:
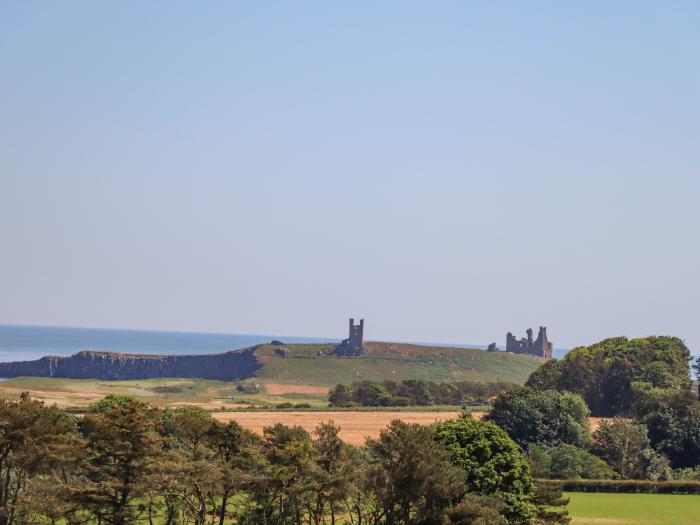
[{"x": 633, "y": 509}]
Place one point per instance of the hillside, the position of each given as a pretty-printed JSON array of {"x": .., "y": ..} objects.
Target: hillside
[
  {"x": 294, "y": 364},
  {"x": 311, "y": 364}
]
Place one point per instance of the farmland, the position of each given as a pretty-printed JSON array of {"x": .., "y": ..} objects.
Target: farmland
[
  {"x": 299, "y": 374},
  {"x": 633, "y": 509},
  {"x": 354, "y": 426}
]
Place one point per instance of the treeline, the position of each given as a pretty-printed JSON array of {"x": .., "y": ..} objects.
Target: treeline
[
  {"x": 615, "y": 376},
  {"x": 412, "y": 392},
  {"x": 125, "y": 463},
  {"x": 645, "y": 383}
]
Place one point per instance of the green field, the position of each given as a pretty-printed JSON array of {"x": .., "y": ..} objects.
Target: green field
[
  {"x": 311, "y": 364},
  {"x": 633, "y": 509},
  {"x": 309, "y": 368}
]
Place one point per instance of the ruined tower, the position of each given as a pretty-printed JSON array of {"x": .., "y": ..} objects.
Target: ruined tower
[
  {"x": 352, "y": 346},
  {"x": 540, "y": 347},
  {"x": 355, "y": 337}
]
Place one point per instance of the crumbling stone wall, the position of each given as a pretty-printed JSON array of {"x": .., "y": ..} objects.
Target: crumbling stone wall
[{"x": 540, "y": 347}]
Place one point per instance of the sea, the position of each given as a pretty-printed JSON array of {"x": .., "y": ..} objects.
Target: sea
[{"x": 25, "y": 343}]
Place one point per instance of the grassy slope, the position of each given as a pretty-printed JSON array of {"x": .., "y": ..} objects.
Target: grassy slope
[
  {"x": 633, "y": 509},
  {"x": 306, "y": 365},
  {"x": 310, "y": 364}
]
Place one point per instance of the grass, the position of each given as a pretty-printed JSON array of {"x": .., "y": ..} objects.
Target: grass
[
  {"x": 300, "y": 366},
  {"x": 311, "y": 364},
  {"x": 633, "y": 509}
]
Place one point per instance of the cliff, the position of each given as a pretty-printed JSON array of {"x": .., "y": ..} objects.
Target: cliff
[{"x": 87, "y": 364}]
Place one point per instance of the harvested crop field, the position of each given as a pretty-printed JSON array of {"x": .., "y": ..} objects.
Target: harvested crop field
[
  {"x": 354, "y": 426},
  {"x": 277, "y": 389}
]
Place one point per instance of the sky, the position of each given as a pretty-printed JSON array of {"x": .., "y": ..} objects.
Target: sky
[{"x": 449, "y": 171}]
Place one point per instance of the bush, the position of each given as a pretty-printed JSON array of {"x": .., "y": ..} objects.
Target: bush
[
  {"x": 626, "y": 486},
  {"x": 569, "y": 462},
  {"x": 248, "y": 388}
]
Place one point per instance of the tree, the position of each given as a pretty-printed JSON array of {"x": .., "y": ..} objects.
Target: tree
[
  {"x": 190, "y": 426},
  {"x": 673, "y": 425},
  {"x": 340, "y": 396},
  {"x": 545, "y": 377},
  {"x": 106, "y": 403},
  {"x": 283, "y": 477},
  {"x": 551, "y": 505},
  {"x": 475, "y": 510},
  {"x": 332, "y": 475},
  {"x": 233, "y": 458},
  {"x": 603, "y": 373},
  {"x": 570, "y": 462},
  {"x": 539, "y": 460},
  {"x": 123, "y": 450},
  {"x": 625, "y": 447},
  {"x": 34, "y": 440},
  {"x": 410, "y": 476},
  {"x": 491, "y": 462},
  {"x": 547, "y": 417}
]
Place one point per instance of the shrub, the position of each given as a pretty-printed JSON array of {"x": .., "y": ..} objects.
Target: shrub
[
  {"x": 627, "y": 486},
  {"x": 570, "y": 462}
]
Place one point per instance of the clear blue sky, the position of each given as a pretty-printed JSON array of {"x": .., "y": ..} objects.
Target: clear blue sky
[{"x": 450, "y": 170}]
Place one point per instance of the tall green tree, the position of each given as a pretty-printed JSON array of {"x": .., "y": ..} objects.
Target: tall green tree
[
  {"x": 234, "y": 459},
  {"x": 410, "y": 476},
  {"x": 546, "y": 418},
  {"x": 491, "y": 462},
  {"x": 625, "y": 447},
  {"x": 673, "y": 424},
  {"x": 123, "y": 452},
  {"x": 332, "y": 474},
  {"x": 551, "y": 505},
  {"x": 604, "y": 373},
  {"x": 34, "y": 440},
  {"x": 284, "y": 477}
]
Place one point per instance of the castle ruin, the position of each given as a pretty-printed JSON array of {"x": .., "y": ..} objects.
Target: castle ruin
[
  {"x": 540, "y": 347},
  {"x": 352, "y": 346}
]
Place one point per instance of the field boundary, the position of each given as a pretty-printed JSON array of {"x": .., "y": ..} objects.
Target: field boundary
[{"x": 627, "y": 486}]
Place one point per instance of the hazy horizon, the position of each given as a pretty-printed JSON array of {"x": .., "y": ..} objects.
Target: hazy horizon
[{"x": 450, "y": 173}]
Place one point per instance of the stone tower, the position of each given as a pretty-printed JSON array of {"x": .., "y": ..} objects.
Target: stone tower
[
  {"x": 540, "y": 347},
  {"x": 352, "y": 346},
  {"x": 355, "y": 335}
]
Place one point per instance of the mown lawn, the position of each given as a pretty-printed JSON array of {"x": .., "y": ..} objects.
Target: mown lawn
[{"x": 633, "y": 509}]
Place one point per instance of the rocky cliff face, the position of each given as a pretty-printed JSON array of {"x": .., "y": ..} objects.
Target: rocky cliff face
[{"x": 228, "y": 366}]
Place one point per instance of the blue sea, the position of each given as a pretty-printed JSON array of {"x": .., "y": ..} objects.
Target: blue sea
[{"x": 23, "y": 343}]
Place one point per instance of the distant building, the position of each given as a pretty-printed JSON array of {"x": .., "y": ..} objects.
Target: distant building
[
  {"x": 352, "y": 346},
  {"x": 540, "y": 347}
]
